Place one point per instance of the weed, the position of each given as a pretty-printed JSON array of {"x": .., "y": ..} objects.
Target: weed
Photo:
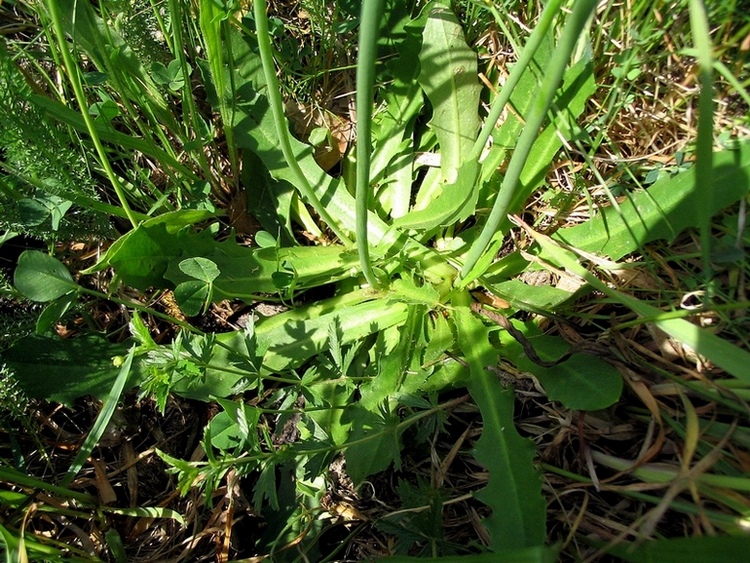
[{"x": 419, "y": 284}]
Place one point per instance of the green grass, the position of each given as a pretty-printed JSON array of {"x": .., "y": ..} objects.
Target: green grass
[{"x": 486, "y": 327}]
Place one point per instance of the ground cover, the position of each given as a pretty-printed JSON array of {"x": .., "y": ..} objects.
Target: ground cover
[{"x": 328, "y": 282}]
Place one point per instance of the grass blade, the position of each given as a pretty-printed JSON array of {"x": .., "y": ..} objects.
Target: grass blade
[
  {"x": 727, "y": 356},
  {"x": 75, "y": 80},
  {"x": 108, "y": 409}
]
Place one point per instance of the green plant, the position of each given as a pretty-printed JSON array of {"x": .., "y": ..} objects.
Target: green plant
[{"x": 358, "y": 369}]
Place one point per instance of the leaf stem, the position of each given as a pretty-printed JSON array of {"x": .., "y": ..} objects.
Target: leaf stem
[
  {"x": 75, "y": 81},
  {"x": 274, "y": 99},
  {"x": 550, "y": 82},
  {"x": 704, "y": 145},
  {"x": 372, "y": 11}
]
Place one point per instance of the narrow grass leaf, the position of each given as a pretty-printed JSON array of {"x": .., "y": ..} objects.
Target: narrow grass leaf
[
  {"x": 41, "y": 277},
  {"x": 574, "y": 25},
  {"x": 14, "y": 548},
  {"x": 704, "y": 180},
  {"x": 100, "y": 425}
]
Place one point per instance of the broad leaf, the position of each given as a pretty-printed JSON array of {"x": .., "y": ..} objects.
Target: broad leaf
[
  {"x": 192, "y": 296},
  {"x": 157, "y": 253},
  {"x": 200, "y": 268},
  {"x": 64, "y": 370},
  {"x": 374, "y": 443},
  {"x": 41, "y": 277},
  {"x": 583, "y": 382}
]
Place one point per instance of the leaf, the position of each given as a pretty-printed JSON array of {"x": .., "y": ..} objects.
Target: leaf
[
  {"x": 156, "y": 253},
  {"x": 514, "y": 489},
  {"x": 102, "y": 420},
  {"x": 192, "y": 296},
  {"x": 374, "y": 443},
  {"x": 449, "y": 79},
  {"x": 64, "y": 370},
  {"x": 265, "y": 239},
  {"x": 663, "y": 211},
  {"x": 14, "y": 546},
  {"x": 54, "y": 312},
  {"x": 455, "y": 203},
  {"x": 583, "y": 382},
  {"x": 41, "y": 277},
  {"x": 729, "y": 549},
  {"x": 394, "y": 364},
  {"x": 536, "y": 554},
  {"x": 724, "y": 354},
  {"x": 234, "y": 427}
]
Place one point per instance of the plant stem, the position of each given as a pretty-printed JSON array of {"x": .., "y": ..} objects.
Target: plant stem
[
  {"x": 550, "y": 82},
  {"x": 372, "y": 11},
  {"x": 704, "y": 144},
  {"x": 527, "y": 55},
  {"x": 75, "y": 81},
  {"x": 274, "y": 99}
]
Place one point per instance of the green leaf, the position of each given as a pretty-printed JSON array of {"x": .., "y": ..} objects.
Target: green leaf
[
  {"x": 146, "y": 512},
  {"x": 663, "y": 211},
  {"x": 102, "y": 420},
  {"x": 536, "y": 554},
  {"x": 374, "y": 443},
  {"x": 449, "y": 79},
  {"x": 724, "y": 354},
  {"x": 200, "y": 268},
  {"x": 54, "y": 312},
  {"x": 64, "y": 370},
  {"x": 192, "y": 296},
  {"x": 234, "y": 427},
  {"x": 456, "y": 202},
  {"x": 156, "y": 253},
  {"x": 583, "y": 382},
  {"x": 14, "y": 546},
  {"x": 41, "y": 277},
  {"x": 265, "y": 239},
  {"x": 393, "y": 366},
  {"x": 514, "y": 489},
  {"x": 729, "y": 549}
]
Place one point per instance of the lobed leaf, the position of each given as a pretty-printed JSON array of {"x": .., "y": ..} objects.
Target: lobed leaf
[{"x": 514, "y": 489}]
